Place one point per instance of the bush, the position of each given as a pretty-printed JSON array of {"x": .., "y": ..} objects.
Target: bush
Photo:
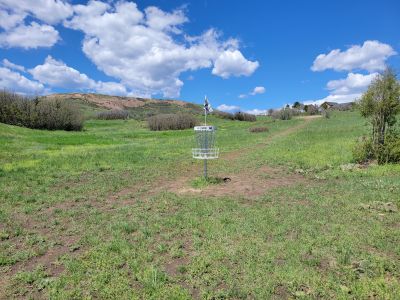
[
  {"x": 224, "y": 115},
  {"x": 171, "y": 122},
  {"x": 326, "y": 113},
  {"x": 258, "y": 129},
  {"x": 389, "y": 152},
  {"x": 240, "y": 116},
  {"x": 51, "y": 114},
  {"x": 311, "y": 109},
  {"x": 363, "y": 151},
  {"x": 283, "y": 114},
  {"x": 113, "y": 115}
]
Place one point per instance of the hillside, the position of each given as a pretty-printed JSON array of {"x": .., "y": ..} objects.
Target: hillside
[{"x": 138, "y": 108}]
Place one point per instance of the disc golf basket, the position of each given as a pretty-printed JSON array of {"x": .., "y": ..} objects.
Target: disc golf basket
[{"x": 205, "y": 145}]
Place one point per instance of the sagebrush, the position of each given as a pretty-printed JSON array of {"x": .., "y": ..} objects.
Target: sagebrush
[
  {"x": 171, "y": 122},
  {"x": 113, "y": 115},
  {"x": 240, "y": 116}
]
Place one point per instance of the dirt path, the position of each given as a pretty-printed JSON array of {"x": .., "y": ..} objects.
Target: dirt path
[{"x": 247, "y": 184}]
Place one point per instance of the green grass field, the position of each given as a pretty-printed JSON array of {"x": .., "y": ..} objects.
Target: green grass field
[{"x": 117, "y": 212}]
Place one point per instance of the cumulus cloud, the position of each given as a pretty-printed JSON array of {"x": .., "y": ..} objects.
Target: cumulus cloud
[
  {"x": 148, "y": 50},
  {"x": 335, "y": 98},
  {"x": 257, "y": 90},
  {"x": 257, "y": 111},
  {"x": 228, "y": 108},
  {"x": 8, "y": 64},
  {"x": 345, "y": 90},
  {"x": 18, "y": 83},
  {"x": 232, "y": 63},
  {"x": 371, "y": 56},
  {"x": 29, "y": 36},
  {"x": 352, "y": 84},
  {"x": 9, "y": 20},
  {"x": 111, "y": 88},
  {"x": 49, "y": 11},
  {"x": 57, "y": 74}
]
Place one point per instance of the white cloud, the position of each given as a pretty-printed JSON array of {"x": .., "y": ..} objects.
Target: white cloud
[
  {"x": 8, "y": 64},
  {"x": 352, "y": 84},
  {"x": 371, "y": 56},
  {"x": 346, "y": 90},
  {"x": 257, "y": 111},
  {"x": 56, "y": 73},
  {"x": 335, "y": 98},
  {"x": 29, "y": 36},
  {"x": 232, "y": 63},
  {"x": 15, "y": 82},
  {"x": 160, "y": 20},
  {"x": 228, "y": 108},
  {"x": 148, "y": 51},
  {"x": 258, "y": 90},
  {"x": 111, "y": 88},
  {"x": 9, "y": 20},
  {"x": 49, "y": 11}
]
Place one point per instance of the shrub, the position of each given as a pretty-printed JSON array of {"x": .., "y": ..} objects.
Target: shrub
[
  {"x": 311, "y": 109},
  {"x": 113, "y": 115},
  {"x": 241, "y": 116},
  {"x": 51, "y": 114},
  {"x": 171, "y": 122},
  {"x": 258, "y": 129},
  {"x": 224, "y": 115},
  {"x": 326, "y": 113},
  {"x": 389, "y": 152},
  {"x": 283, "y": 114},
  {"x": 363, "y": 151}
]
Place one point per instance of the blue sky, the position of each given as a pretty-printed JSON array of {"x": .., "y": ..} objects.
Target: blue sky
[{"x": 247, "y": 55}]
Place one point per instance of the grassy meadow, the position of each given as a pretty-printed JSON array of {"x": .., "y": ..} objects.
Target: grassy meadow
[{"x": 112, "y": 213}]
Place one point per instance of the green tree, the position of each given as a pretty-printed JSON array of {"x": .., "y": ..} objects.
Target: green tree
[
  {"x": 297, "y": 104},
  {"x": 380, "y": 104}
]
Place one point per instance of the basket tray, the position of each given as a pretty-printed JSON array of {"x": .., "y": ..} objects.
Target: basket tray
[{"x": 210, "y": 153}]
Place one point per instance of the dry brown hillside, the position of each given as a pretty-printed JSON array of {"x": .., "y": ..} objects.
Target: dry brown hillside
[{"x": 114, "y": 102}]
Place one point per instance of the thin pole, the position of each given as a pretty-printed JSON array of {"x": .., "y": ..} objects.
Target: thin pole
[{"x": 205, "y": 168}]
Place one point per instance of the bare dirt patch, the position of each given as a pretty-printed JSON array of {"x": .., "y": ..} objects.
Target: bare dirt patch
[{"x": 248, "y": 183}]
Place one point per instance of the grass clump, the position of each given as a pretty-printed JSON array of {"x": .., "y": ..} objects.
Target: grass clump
[
  {"x": 201, "y": 182},
  {"x": 113, "y": 115},
  {"x": 50, "y": 114},
  {"x": 258, "y": 129},
  {"x": 171, "y": 122}
]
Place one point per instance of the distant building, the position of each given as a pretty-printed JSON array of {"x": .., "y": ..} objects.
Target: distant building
[{"x": 337, "y": 106}]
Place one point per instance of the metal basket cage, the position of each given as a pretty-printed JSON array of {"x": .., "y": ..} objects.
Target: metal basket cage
[{"x": 205, "y": 143}]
